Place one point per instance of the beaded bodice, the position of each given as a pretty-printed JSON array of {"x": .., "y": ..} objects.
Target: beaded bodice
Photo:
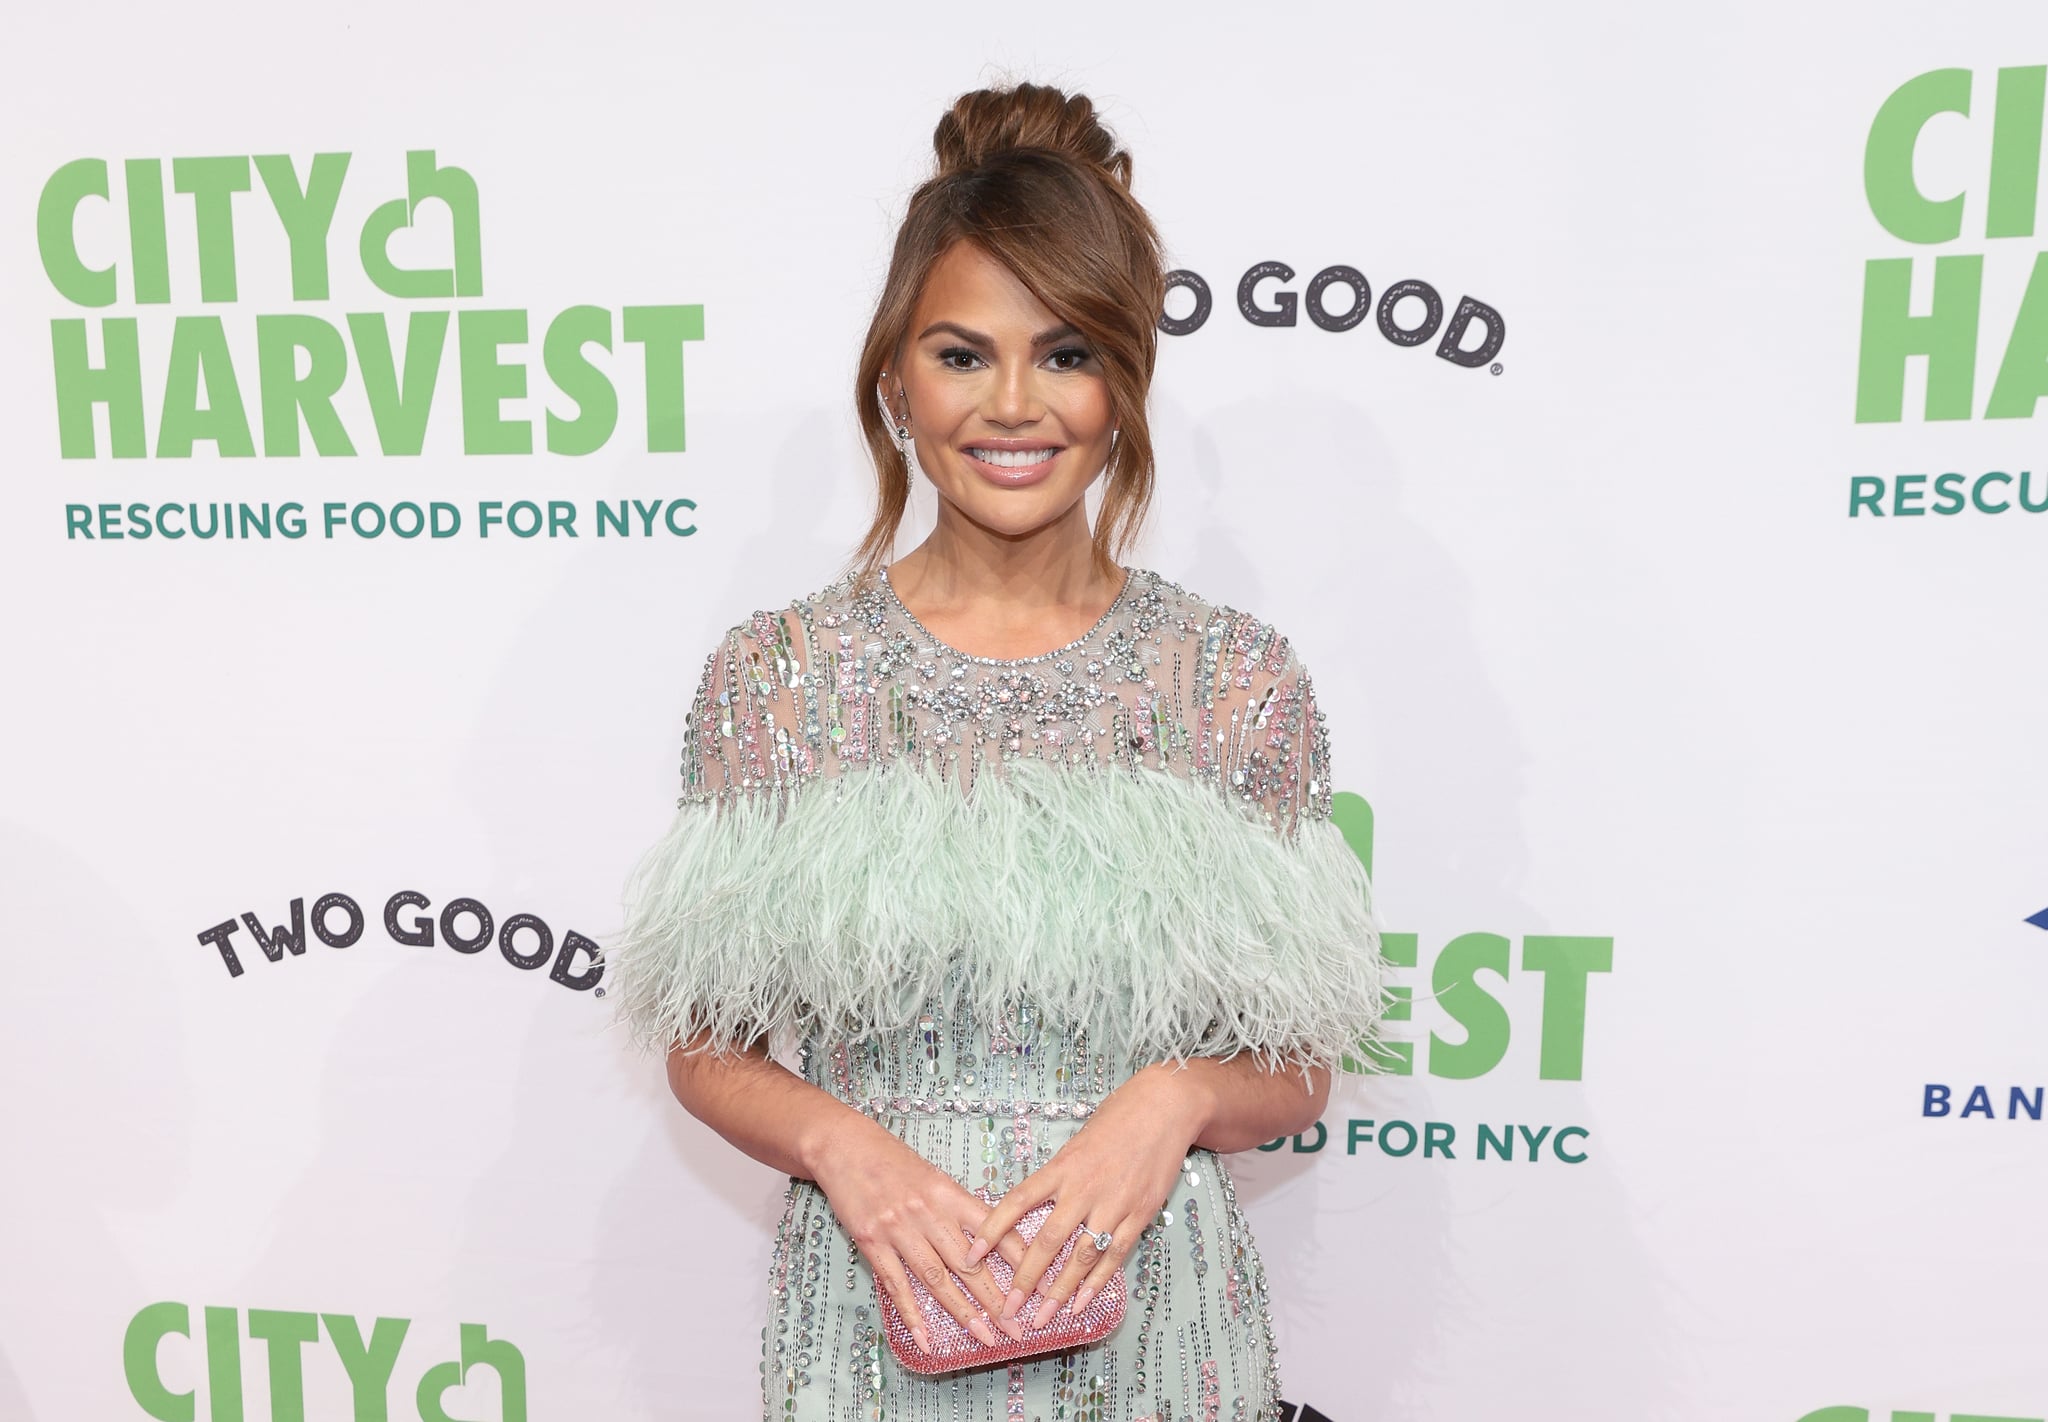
[
  {"x": 1129, "y": 836},
  {"x": 1163, "y": 680}
]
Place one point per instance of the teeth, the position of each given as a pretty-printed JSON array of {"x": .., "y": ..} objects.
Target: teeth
[{"x": 1013, "y": 458}]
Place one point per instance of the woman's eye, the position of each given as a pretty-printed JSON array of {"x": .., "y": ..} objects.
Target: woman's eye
[{"x": 1066, "y": 358}]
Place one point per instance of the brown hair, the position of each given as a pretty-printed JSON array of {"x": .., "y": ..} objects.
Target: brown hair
[{"x": 1030, "y": 175}]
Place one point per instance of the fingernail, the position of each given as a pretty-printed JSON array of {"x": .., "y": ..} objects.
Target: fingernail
[
  {"x": 1082, "y": 1295},
  {"x": 976, "y": 1250},
  {"x": 924, "y": 1339},
  {"x": 1013, "y": 1328},
  {"x": 1045, "y": 1312},
  {"x": 980, "y": 1329},
  {"x": 1012, "y": 1301}
]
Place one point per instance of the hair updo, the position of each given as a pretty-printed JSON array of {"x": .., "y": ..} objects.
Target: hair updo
[{"x": 1030, "y": 175}]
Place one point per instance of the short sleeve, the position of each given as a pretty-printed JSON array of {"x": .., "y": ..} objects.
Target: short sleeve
[
  {"x": 1312, "y": 743},
  {"x": 1270, "y": 741},
  {"x": 684, "y": 964},
  {"x": 707, "y": 769},
  {"x": 1298, "y": 792},
  {"x": 741, "y": 736},
  {"x": 1309, "y": 981}
]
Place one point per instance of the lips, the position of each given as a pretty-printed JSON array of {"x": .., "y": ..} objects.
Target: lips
[
  {"x": 1011, "y": 468},
  {"x": 1012, "y": 456}
]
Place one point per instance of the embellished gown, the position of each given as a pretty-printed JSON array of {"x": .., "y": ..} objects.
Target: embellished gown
[{"x": 973, "y": 895}]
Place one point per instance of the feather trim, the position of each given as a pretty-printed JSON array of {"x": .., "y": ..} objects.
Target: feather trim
[{"x": 1166, "y": 917}]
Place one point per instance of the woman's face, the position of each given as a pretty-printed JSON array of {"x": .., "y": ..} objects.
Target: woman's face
[{"x": 1007, "y": 402}]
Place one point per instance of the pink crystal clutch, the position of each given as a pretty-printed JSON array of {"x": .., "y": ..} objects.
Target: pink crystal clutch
[{"x": 954, "y": 1347}]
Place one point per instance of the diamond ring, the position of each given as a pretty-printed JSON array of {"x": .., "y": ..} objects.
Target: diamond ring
[{"x": 1100, "y": 1239}]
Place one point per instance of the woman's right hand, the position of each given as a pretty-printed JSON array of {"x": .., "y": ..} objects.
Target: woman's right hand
[{"x": 907, "y": 1217}]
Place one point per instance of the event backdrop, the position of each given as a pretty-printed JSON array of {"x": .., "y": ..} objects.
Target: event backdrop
[{"x": 1630, "y": 413}]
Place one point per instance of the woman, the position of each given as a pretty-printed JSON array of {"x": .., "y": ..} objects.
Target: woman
[{"x": 1025, "y": 854}]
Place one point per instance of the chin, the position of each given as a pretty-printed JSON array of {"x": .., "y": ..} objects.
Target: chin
[{"x": 1014, "y": 512}]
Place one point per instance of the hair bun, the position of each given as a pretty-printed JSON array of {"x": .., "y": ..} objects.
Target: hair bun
[{"x": 988, "y": 122}]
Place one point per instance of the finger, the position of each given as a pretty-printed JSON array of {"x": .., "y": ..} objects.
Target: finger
[
  {"x": 890, "y": 1271},
  {"x": 973, "y": 1275},
  {"x": 1052, "y": 1236},
  {"x": 979, "y": 1281},
  {"x": 938, "y": 1282},
  {"x": 973, "y": 1218},
  {"x": 1026, "y": 1196},
  {"x": 1123, "y": 1239},
  {"x": 976, "y": 1275},
  {"x": 1061, "y": 1286},
  {"x": 1011, "y": 1247}
]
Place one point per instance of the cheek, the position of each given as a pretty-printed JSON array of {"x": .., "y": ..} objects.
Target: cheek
[
  {"x": 1088, "y": 414},
  {"x": 937, "y": 405}
]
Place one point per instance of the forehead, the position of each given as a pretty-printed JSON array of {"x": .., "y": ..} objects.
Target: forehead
[{"x": 968, "y": 285}]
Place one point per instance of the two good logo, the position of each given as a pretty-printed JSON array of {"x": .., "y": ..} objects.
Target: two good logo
[
  {"x": 1566, "y": 966},
  {"x": 524, "y": 940},
  {"x": 1424, "y": 309},
  {"x": 285, "y": 1334}
]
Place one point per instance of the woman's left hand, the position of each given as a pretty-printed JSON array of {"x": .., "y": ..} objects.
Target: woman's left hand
[{"x": 1114, "y": 1174}]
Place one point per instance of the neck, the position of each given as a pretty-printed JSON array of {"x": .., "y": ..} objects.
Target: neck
[
  {"x": 1046, "y": 569},
  {"x": 992, "y": 588}
]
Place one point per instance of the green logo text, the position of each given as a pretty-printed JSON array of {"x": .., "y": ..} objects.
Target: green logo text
[
  {"x": 1947, "y": 333},
  {"x": 192, "y": 390},
  {"x": 1564, "y": 963},
  {"x": 285, "y": 1335}
]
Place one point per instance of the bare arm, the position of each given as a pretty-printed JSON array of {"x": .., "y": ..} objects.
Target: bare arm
[
  {"x": 1236, "y": 1104},
  {"x": 904, "y": 1214},
  {"x": 761, "y": 1107}
]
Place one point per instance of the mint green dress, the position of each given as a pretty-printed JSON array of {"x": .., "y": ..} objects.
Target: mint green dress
[{"x": 969, "y": 896}]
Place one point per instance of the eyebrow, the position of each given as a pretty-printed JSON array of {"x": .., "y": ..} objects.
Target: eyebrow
[{"x": 1056, "y": 333}]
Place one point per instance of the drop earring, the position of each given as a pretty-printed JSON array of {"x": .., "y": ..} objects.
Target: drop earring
[
  {"x": 889, "y": 417},
  {"x": 902, "y": 429}
]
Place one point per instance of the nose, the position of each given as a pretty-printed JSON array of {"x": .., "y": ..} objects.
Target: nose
[{"x": 1014, "y": 397}]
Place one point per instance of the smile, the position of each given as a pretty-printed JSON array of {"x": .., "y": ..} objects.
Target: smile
[
  {"x": 1011, "y": 468},
  {"x": 1012, "y": 458}
]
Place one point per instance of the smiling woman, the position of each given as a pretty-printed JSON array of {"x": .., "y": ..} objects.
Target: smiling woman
[
  {"x": 1023, "y": 856},
  {"x": 1028, "y": 237},
  {"x": 965, "y": 272},
  {"x": 1012, "y": 417}
]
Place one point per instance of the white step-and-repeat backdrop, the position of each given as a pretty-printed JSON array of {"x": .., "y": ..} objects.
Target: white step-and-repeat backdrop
[{"x": 398, "y": 399}]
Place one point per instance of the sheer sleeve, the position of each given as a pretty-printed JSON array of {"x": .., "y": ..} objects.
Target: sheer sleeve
[
  {"x": 1272, "y": 741},
  {"x": 1308, "y": 971},
  {"x": 709, "y": 770},
  {"x": 684, "y": 965}
]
